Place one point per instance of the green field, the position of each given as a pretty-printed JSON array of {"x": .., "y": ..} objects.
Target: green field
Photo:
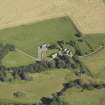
[
  {"x": 16, "y": 58},
  {"x": 43, "y": 84},
  {"x": 96, "y": 63},
  {"x": 95, "y": 40},
  {"x": 74, "y": 96},
  {"x": 28, "y": 37}
]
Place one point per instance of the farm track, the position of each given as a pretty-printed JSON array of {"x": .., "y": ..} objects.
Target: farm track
[
  {"x": 18, "y": 50},
  {"x": 88, "y": 15}
]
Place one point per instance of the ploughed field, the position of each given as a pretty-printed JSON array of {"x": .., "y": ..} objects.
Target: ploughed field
[{"x": 26, "y": 39}]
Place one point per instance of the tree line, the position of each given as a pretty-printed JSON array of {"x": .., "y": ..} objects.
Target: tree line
[
  {"x": 22, "y": 71},
  {"x": 61, "y": 61}
]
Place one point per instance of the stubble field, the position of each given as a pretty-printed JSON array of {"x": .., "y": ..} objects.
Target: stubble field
[{"x": 88, "y": 15}]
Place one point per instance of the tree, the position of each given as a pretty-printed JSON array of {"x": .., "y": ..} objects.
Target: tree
[
  {"x": 60, "y": 63},
  {"x": 2, "y": 76},
  {"x": 16, "y": 75},
  {"x": 11, "y": 47},
  {"x": 61, "y": 43},
  {"x": 24, "y": 75},
  {"x": 78, "y": 34},
  {"x": 52, "y": 64},
  {"x": 18, "y": 94},
  {"x": 55, "y": 100}
]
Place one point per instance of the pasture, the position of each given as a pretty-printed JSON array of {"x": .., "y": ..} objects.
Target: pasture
[
  {"x": 91, "y": 42},
  {"x": 74, "y": 96},
  {"x": 96, "y": 63},
  {"x": 16, "y": 58},
  {"x": 28, "y": 24},
  {"x": 28, "y": 37},
  {"x": 43, "y": 84}
]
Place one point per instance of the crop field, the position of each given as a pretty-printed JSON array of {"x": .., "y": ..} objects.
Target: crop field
[
  {"x": 35, "y": 89},
  {"x": 89, "y": 17}
]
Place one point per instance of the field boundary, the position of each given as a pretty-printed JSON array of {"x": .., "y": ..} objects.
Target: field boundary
[
  {"x": 18, "y": 50},
  {"x": 96, "y": 51}
]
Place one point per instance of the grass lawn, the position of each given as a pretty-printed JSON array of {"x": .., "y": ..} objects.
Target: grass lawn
[
  {"x": 28, "y": 37},
  {"x": 16, "y": 58},
  {"x": 43, "y": 84},
  {"x": 74, "y": 96}
]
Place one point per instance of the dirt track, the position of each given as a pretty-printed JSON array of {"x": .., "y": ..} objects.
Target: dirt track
[{"x": 88, "y": 15}]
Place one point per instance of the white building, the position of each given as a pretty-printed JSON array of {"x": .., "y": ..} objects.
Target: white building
[{"x": 42, "y": 50}]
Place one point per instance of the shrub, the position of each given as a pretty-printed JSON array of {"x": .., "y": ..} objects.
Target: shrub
[
  {"x": 3, "y": 76},
  {"x": 52, "y": 46},
  {"x": 78, "y": 34},
  {"x": 18, "y": 94},
  {"x": 55, "y": 100},
  {"x": 51, "y": 64},
  {"x": 11, "y": 47}
]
